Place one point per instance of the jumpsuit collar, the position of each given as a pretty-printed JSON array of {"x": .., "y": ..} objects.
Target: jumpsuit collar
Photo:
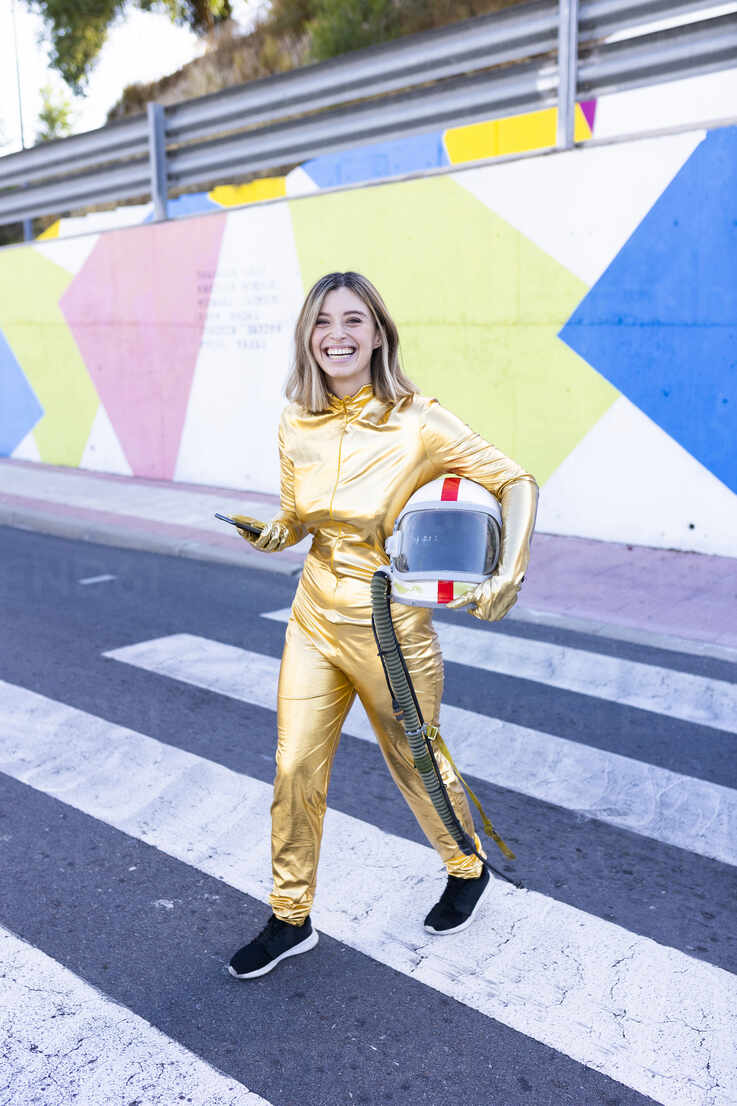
[{"x": 352, "y": 406}]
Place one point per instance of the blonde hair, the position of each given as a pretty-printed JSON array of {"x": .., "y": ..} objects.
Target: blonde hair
[{"x": 307, "y": 384}]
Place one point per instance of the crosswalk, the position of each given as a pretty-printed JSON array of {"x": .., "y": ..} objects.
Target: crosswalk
[
  {"x": 670, "y": 807},
  {"x": 71, "y": 1018},
  {"x": 647, "y": 1015}
]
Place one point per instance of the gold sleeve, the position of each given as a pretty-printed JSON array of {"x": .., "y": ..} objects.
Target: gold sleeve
[
  {"x": 287, "y": 513},
  {"x": 451, "y": 446},
  {"x": 454, "y": 447}
]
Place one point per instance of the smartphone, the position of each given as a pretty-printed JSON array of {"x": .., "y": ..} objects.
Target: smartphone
[{"x": 254, "y": 531}]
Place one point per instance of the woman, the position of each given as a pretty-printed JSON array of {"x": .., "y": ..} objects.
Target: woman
[{"x": 354, "y": 444}]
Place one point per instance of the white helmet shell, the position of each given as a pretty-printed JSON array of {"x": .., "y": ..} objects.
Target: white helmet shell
[{"x": 446, "y": 539}]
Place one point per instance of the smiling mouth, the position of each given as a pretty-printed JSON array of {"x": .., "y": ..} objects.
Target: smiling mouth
[{"x": 339, "y": 353}]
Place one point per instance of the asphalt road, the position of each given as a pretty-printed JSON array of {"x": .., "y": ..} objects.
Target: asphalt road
[{"x": 337, "y": 1026}]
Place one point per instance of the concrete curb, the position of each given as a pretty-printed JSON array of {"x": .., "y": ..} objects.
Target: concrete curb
[{"x": 103, "y": 533}]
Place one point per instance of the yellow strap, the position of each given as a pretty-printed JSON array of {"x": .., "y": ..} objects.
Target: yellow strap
[{"x": 434, "y": 735}]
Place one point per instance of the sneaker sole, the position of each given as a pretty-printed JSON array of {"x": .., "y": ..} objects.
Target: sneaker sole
[
  {"x": 463, "y": 925},
  {"x": 303, "y": 946}
]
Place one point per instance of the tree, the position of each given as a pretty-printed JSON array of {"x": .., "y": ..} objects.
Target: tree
[
  {"x": 55, "y": 116},
  {"x": 342, "y": 25},
  {"x": 78, "y": 28}
]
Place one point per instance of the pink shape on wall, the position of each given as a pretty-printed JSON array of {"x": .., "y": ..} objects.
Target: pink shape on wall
[
  {"x": 137, "y": 309},
  {"x": 588, "y": 107}
]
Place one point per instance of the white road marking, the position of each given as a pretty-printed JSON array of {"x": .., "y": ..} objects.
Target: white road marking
[
  {"x": 676, "y": 809},
  {"x": 97, "y": 579},
  {"x": 64, "y": 1041},
  {"x": 648, "y": 686},
  {"x": 642, "y": 1013}
]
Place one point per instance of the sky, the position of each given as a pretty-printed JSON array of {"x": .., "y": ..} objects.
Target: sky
[{"x": 141, "y": 47}]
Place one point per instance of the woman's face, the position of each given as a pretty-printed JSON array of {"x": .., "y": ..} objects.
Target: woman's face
[{"x": 343, "y": 340}]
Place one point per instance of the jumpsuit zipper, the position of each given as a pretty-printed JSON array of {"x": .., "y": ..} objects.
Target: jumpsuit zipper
[{"x": 337, "y": 481}]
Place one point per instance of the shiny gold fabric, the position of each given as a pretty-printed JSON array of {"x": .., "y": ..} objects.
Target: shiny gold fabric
[
  {"x": 345, "y": 475},
  {"x": 322, "y": 671},
  {"x": 493, "y": 598}
]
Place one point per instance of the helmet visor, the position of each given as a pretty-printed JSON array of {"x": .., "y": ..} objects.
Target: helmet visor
[{"x": 447, "y": 542}]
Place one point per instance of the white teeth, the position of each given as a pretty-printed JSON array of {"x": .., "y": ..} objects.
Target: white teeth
[{"x": 338, "y": 351}]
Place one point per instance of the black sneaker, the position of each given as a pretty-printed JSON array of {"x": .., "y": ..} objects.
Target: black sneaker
[
  {"x": 276, "y": 941},
  {"x": 457, "y": 904}
]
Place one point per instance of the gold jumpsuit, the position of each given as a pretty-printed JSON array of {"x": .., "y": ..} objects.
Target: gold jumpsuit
[{"x": 345, "y": 475}]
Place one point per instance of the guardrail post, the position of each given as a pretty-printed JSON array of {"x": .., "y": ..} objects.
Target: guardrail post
[
  {"x": 157, "y": 160},
  {"x": 567, "y": 71},
  {"x": 28, "y": 230}
]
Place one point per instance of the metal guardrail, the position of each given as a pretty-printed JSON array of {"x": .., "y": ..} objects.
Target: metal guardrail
[{"x": 536, "y": 55}]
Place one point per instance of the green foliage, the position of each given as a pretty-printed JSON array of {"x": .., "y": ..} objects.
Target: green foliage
[
  {"x": 55, "y": 116},
  {"x": 290, "y": 17},
  {"x": 289, "y": 34},
  {"x": 342, "y": 25},
  {"x": 78, "y": 28},
  {"x": 200, "y": 15}
]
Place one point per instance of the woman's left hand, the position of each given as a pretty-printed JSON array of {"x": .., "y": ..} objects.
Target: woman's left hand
[{"x": 490, "y": 599}]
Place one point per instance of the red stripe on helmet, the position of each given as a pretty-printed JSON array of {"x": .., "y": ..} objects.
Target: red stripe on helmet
[
  {"x": 445, "y": 591},
  {"x": 451, "y": 484}
]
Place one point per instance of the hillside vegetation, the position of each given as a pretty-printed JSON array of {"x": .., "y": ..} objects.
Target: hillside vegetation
[{"x": 294, "y": 33}]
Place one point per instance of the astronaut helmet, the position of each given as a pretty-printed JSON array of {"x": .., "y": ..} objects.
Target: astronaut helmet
[{"x": 446, "y": 540}]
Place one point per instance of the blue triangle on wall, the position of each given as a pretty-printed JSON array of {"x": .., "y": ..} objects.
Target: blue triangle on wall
[
  {"x": 19, "y": 409},
  {"x": 661, "y": 322}
]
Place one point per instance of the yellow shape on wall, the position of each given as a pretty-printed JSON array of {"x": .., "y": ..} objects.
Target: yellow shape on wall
[
  {"x": 37, "y": 333},
  {"x": 533, "y": 131},
  {"x": 50, "y": 232},
  {"x": 264, "y": 188},
  {"x": 478, "y": 305}
]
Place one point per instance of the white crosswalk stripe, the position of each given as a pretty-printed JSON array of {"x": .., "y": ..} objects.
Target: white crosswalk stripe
[
  {"x": 647, "y": 1015},
  {"x": 663, "y": 690},
  {"x": 52, "y": 1023},
  {"x": 676, "y": 809}
]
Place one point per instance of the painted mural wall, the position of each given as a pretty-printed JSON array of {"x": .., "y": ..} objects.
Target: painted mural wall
[{"x": 579, "y": 309}]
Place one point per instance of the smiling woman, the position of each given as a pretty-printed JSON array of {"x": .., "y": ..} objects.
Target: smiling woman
[
  {"x": 345, "y": 338},
  {"x": 356, "y": 442}
]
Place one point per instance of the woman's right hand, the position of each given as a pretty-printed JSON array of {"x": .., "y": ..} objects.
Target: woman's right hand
[
  {"x": 490, "y": 600},
  {"x": 273, "y": 537}
]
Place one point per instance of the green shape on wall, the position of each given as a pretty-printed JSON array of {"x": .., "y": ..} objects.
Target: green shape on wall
[
  {"x": 478, "y": 306},
  {"x": 45, "y": 349}
]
